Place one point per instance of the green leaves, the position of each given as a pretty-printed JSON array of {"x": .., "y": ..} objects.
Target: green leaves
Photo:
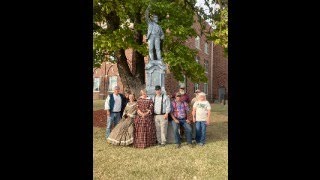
[
  {"x": 218, "y": 18},
  {"x": 118, "y": 23},
  {"x": 181, "y": 61}
]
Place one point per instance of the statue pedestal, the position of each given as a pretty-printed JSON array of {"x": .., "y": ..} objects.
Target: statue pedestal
[{"x": 155, "y": 75}]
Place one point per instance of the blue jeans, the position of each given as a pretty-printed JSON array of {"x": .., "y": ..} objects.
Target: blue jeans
[
  {"x": 201, "y": 127},
  {"x": 193, "y": 127},
  {"x": 113, "y": 118},
  {"x": 187, "y": 128}
]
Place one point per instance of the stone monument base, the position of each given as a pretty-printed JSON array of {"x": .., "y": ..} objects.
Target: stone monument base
[{"x": 155, "y": 75}]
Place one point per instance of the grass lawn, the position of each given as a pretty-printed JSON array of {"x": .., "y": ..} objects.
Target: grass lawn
[
  {"x": 208, "y": 162},
  {"x": 98, "y": 104}
]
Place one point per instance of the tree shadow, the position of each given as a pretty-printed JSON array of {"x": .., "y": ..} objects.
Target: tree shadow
[{"x": 217, "y": 131}]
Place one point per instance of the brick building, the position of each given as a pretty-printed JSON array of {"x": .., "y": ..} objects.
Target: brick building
[{"x": 209, "y": 56}]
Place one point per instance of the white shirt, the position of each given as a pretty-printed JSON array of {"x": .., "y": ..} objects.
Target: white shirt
[
  {"x": 166, "y": 108},
  {"x": 117, "y": 103},
  {"x": 202, "y": 108}
]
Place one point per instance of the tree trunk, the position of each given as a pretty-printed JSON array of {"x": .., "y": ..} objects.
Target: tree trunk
[
  {"x": 130, "y": 82},
  {"x": 133, "y": 81},
  {"x": 138, "y": 58}
]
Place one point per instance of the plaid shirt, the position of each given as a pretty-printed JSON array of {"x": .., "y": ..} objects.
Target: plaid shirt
[{"x": 180, "y": 110}]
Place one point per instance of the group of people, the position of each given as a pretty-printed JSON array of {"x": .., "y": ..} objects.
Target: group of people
[{"x": 144, "y": 122}]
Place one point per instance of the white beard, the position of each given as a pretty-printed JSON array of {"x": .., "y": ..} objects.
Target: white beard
[{"x": 182, "y": 92}]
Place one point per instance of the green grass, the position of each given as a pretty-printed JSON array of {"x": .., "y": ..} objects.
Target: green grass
[
  {"x": 219, "y": 109},
  {"x": 98, "y": 104},
  {"x": 208, "y": 162}
]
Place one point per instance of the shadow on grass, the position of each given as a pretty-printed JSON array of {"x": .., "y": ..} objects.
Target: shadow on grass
[{"x": 217, "y": 131}]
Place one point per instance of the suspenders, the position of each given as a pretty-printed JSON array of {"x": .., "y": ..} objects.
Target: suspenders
[{"x": 161, "y": 111}]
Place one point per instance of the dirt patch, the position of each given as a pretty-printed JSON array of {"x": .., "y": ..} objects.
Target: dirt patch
[{"x": 100, "y": 118}]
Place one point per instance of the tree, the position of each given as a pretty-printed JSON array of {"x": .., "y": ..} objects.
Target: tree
[
  {"x": 120, "y": 25},
  {"x": 216, "y": 12}
]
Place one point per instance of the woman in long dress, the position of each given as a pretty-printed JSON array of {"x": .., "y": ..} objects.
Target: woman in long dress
[
  {"x": 144, "y": 127},
  {"x": 122, "y": 134}
]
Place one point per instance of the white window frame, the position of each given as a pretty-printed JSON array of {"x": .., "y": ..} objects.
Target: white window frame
[
  {"x": 96, "y": 84},
  {"x": 197, "y": 42},
  {"x": 205, "y": 88},
  {"x": 206, "y": 66},
  {"x": 206, "y": 48},
  {"x": 111, "y": 83},
  {"x": 196, "y": 87}
]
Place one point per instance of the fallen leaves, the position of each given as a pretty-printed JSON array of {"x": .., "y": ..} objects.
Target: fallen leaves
[{"x": 100, "y": 118}]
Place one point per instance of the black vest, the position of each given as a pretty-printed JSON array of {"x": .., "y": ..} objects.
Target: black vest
[{"x": 123, "y": 103}]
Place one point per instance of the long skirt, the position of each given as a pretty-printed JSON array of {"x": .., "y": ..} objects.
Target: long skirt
[
  {"x": 144, "y": 132},
  {"x": 122, "y": 134}
]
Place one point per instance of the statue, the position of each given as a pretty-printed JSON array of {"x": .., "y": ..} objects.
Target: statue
[{"x": 155, "y": 33}]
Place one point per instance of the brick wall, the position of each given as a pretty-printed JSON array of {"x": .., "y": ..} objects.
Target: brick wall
[{"x": 220, "y": 70}]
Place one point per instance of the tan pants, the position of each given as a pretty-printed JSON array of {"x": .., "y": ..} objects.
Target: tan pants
[{"x": 162, "y": 127}]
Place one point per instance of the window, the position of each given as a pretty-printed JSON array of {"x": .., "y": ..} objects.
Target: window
[
  {"x": 196, "y": 87},
  {"x": 197, "y": 42},
  {"x": 205, "y": 88},
  {"x": 206, "y": 48},
  {"x": 112, "y": 82},
  {"x": 206, "y": 66},
  {"x": 96, "y": 84}
]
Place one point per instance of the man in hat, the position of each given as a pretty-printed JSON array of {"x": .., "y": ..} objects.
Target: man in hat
[
  {"x": 184, "y": 98},
  {"x": 193, "y": 125},
  {"x": 179, "y": 115},
  {"x": 184, "y": 95},
  {"x": 114, "y": 104},
  {"x": 162, "y": 108},
  {"x": 195, "y": 97}
]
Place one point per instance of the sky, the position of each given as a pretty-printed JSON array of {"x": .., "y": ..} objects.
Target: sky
[{"x": 200, "y": 3}]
